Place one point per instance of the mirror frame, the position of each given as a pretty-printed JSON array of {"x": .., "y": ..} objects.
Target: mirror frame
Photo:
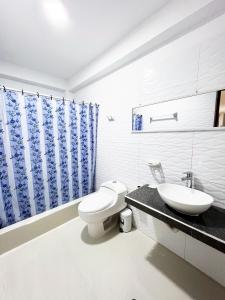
[{"x": 218, "y": 129}]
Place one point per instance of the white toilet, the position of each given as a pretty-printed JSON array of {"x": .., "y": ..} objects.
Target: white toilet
[{"x": 100, "y": 209}]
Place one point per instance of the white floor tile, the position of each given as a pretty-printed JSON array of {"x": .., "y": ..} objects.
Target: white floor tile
[{"x": 65, "y": 264}]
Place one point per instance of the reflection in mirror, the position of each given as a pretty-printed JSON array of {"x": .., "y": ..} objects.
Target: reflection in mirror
[
  {"x": 199, "y": 112},
  {"x": 221, "y": 109},
  {"x": 137, "y": 121}
]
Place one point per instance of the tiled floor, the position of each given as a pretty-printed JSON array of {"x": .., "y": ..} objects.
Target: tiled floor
[{"x": 65, "y": 264}]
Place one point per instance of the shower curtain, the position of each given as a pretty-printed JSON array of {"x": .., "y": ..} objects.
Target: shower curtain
[
  {"x": 137, "y": 123},
  {"x": 47, "y": 153}
]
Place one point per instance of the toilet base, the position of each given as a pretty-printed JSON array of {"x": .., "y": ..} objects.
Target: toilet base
[{"x": 97, "y": 230}]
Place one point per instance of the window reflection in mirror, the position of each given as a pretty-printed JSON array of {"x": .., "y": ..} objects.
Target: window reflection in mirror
[{"x": 220, "y": 115}]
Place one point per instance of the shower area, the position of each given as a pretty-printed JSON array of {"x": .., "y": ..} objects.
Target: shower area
[{"x": 47, "y": 153}]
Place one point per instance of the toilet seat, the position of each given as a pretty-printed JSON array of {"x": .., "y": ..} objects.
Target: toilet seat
[{"x": 97, "y": 201}]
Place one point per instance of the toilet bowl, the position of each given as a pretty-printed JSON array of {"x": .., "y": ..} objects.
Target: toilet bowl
[{"x": 100, "y": 209}]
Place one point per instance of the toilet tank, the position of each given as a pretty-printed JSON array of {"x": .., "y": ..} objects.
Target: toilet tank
[{"x": 118, "y": 187}]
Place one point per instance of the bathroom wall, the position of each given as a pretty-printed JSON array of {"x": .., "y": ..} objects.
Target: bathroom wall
[{"x": 194, "y": 63}]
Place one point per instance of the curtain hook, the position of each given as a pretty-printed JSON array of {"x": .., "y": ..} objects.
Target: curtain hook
[
  {"x": 37, "y": 94},
  {"x": 51, "y": 97},
  {"x": 4, "y": 89},
  {"x": 63, "y": 101},
  {"x": 73, "y": 101},
  {"x": 22, "y": 92}
]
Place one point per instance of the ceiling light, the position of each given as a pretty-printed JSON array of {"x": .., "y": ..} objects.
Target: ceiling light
[{"x": 56, "y": 13}]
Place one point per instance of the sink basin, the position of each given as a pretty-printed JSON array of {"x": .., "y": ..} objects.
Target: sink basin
[{"x": 185, "y": 200}]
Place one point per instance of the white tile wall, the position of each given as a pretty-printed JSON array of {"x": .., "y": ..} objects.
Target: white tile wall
[
  {"x": 173, "y": 150},
  {"x": 165, "y": 75},
  {"x": 208, "y": 163},
  {"x": 212, "y": 64},
  {"x": 122, "y": 155},
  {"x": 119, "y": 162},
  {"x": 208, "y": 156},
  {"x": 201, "y": 152}
]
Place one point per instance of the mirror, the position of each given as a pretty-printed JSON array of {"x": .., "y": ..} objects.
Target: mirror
[{"x": 198, "y": 112}]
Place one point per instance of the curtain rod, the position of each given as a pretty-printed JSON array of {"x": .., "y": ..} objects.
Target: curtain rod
[{"x": 4, "y": 88}]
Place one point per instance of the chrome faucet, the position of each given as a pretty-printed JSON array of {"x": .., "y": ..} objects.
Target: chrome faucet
[{"x": 188, "y": 178}]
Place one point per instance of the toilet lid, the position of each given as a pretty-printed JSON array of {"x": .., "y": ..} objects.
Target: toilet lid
[{"x": 97, "y": 201}]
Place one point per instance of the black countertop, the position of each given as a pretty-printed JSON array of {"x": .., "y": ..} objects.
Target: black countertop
[{"x": 209, "y": 227}]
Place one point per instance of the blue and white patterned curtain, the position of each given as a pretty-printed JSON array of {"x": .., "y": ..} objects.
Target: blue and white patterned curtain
[
  {"x": 47, "y": 153},
  {"x": 137, "y": 123}
]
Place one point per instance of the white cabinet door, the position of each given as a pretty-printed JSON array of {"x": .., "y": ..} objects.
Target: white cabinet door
[{"x": 205, "y": 258}]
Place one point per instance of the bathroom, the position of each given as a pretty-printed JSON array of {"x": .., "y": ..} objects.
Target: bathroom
[{"x": 120, "y": 98}]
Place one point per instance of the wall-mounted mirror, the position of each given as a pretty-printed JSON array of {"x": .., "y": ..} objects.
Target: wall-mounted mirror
[{"x": 198, "y": 112}]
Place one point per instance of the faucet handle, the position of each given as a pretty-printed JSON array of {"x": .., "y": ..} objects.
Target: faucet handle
[{"x": 188, "y": 173}]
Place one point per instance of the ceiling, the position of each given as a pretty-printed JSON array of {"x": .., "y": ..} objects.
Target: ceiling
[{"x": 28, "y": 39}]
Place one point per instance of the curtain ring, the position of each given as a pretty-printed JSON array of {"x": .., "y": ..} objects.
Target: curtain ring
[
  {"x": 4, "y": 89},
  {"x": 37, "y": 94}
]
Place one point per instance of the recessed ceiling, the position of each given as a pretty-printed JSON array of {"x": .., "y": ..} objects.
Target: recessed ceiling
[{"x": 28, "y": 37}]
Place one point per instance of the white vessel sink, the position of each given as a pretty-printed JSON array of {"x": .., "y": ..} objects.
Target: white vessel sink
[{"x": 183, "y": 199}]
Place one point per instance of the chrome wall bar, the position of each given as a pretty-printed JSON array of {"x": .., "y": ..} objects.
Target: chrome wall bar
[{"x": 173, "y": 116}]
